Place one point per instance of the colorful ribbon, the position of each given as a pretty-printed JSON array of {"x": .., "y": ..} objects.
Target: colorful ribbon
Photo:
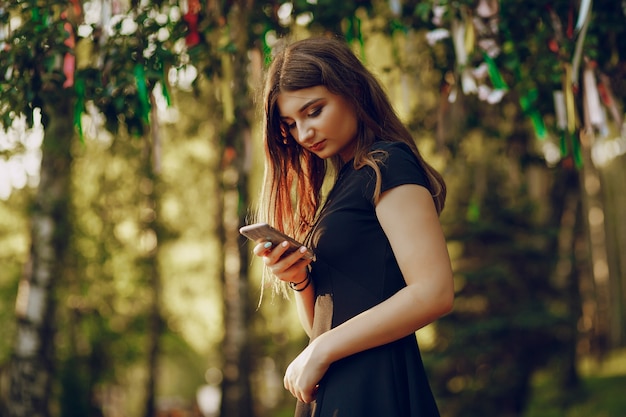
[
  {"x": 192, "y": 17},
  {"x": 79, "y": 106},
  {"x": 353, "y": 32},
  {"x": 142, "y": 92}
]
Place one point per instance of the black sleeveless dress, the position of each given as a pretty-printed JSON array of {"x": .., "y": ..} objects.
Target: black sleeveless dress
[{"x": 355, "y": 270}]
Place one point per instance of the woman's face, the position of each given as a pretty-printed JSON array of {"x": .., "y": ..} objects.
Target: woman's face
[{"x": 322, "y": 122}]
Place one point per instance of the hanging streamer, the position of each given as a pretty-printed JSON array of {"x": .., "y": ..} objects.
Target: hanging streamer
[
  {"x": 494, "y": 74},
  {"x": 473, "y": 210},
  {"x": 583, "y": 13},
  {"x": 5, "y": 30},
  {"x": 156, "y": 137},
  {"x": 538, "y": 125},
  {"x": 106, "y": 12},
  {"x": 72, "y": 14},
  {"x": 142, "y": 92},
  {"x": 36, "y": 17},
  {"x": 527, "y": 102},
  {"x": 570, "y": 111},
  {"x": 228, "y": 101},
  {"x": 559, "y": 109},
  {"x": 563, "y": 144},
  {"x": 192, "y": 17},
  {"x": 591, "y": 99},
  {"x": 561, "y": 120},
  {"x": 576, "y": 152},
  {"x": 75, "y": 10},
  {"x": 267, "y": 49},
  {"x": 578, "y": 51},
  {"x": 396, "y": 7},
  {"x": 470, "y": 37},
  {"x": 458, "y": 40},
  {"x": 353, "y": 32},
  {"x": 164, "y": 88},
  {"x": 69, "y": 59},
  {"x": 569, "y": 32},
  {"x": 606, "y": 94},
  {"x": 79, "y": 107},
  {"x": 570, "y": 106}
]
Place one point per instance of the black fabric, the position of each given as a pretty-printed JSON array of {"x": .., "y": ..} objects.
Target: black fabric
[{"x": 354, "y": 271}]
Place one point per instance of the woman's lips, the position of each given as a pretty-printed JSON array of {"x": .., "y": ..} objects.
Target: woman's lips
[{"x": 318, "y": 146}]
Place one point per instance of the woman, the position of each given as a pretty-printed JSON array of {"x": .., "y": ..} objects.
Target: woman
[{"x": 382, "y": 270}]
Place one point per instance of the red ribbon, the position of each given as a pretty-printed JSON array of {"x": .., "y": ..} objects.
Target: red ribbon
[{"x": 191, "y": 17}]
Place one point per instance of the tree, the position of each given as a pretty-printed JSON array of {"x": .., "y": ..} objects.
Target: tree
[
  {"x": 546, "y": 67},
  {"x": 32, "y": 363},
  {"x": 115, "y": 63},
  {"x": 46, "y": 69}
]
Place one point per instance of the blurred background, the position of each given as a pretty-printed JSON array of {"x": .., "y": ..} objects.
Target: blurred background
[{"x": 130, "y": 155}]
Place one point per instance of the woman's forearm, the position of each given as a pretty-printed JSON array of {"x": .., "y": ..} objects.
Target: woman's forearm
[
  {"x": 305, "y": 303},
  {"x": 404, "y": 313}
]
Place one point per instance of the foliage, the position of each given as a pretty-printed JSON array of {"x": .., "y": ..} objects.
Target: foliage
[
  {"x": 600, "y": 393},
  {"x": 55, "y": 51},
  {"x": 505, "y": 324},
  {"x": 133, "y": 60},
  {"x": 29, "y": 60},
  {"x": 13, "y": 253}
]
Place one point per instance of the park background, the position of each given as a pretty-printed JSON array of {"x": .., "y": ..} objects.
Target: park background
[{"x": 131, "y": 153}]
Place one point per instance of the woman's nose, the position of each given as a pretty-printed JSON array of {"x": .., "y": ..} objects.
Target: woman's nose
[{"x": 305, "y": 132}]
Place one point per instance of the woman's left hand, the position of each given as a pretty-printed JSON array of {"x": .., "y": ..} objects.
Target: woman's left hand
[{"x": 305, "y": 372}]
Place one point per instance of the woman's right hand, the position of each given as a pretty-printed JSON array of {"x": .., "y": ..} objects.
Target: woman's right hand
[{"x": 287, "y": 268}]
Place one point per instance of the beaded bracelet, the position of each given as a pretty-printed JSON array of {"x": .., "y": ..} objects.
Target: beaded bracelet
[{"x": 294, "y": 285}]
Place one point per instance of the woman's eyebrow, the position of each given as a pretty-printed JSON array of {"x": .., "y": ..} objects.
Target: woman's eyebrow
[
  {"x": 304, "y": 106},
  {"x": 309, "y": 103}
]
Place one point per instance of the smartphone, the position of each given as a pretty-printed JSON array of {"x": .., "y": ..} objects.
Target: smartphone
[{"x": 263, "y": 231}]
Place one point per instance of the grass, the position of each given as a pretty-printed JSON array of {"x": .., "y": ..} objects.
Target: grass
[{"x": 602, "y": 392}]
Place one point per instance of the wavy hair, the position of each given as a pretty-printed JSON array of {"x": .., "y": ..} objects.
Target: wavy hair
[{"x": 292, "y": 185}]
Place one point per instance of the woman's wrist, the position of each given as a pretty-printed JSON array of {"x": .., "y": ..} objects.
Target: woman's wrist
[{"x": 302, "y": 285}]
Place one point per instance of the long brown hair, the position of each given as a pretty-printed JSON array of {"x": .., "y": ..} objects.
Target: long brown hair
[{"x": 293, "y": 179}]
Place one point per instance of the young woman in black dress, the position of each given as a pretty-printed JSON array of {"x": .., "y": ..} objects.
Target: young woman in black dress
[{"x": 382, "y": 269}]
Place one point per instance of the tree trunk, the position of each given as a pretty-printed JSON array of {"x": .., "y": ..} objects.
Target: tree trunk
[
  {"x": 151, "y": 243},
  {"x": 570, "y": 265},
  {"x": 614, "y": 199},
  {"x": 600, "y": 275},
  {"x": 236, "y": 391},
  {"x": 33, "y": 359}
]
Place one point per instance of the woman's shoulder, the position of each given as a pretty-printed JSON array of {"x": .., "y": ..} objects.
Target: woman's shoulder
[
  {"x": 398, "y": 164},
  {"x": 390, "y": 147},
  {"x": 385, "y": 152}
]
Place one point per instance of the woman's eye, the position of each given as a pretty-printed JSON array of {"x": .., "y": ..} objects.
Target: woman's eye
[
  {"x": 287, "y": 127},
  {"x": 315, "y": 112}
]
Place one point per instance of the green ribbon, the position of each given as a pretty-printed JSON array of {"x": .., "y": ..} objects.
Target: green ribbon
[
  {"x": 576, "y": 153},
  {"x": 527, "y": 102},
  {"x": 267, "y": 49},
  {"x": 473, "y": 210},
  {"x": 494, "y": 74},
  {"x": 142, "y": 92},
  {"x": 79, "y": 106},
  {"x": 353, "y": 31},
  {"x": 563, "y": 144},
  {"x": 538, "y": 125},
  {"x": 567, "y": 141},
  {"x": 395, "y": 25},
  {"x": 164, "y": 89}
]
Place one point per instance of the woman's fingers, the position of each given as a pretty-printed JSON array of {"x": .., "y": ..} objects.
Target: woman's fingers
[
  {"x": 301, "y": 393},
  {"x": 285, "y": 267}
]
